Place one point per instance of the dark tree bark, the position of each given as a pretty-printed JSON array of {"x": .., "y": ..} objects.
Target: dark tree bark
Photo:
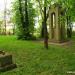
[
  {"x": 42, "y": 28},
  {"x": 45, "y": 30},
  {"x": 69, "y": 27},
  {"x": 14, "y": 30},
  {"x": 22, "y": 25},
  {"x": 24, "y": 21},
  {"x": 44, "y": 33},
  {"x": 20, "y": 10},
  {"x": 42, "y": 13},
  {"x": 26, "y": 18}
]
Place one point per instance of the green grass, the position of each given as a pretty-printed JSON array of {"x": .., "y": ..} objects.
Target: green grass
[{"x": 32, "y": 59}]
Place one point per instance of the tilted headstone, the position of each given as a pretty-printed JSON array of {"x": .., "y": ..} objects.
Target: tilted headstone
[{"x": 6, "y": 62}]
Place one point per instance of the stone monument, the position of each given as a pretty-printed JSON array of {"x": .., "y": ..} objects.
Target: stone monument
[
  {"x": 57, "y": 24},
  {"x": 6, "y": 62}
]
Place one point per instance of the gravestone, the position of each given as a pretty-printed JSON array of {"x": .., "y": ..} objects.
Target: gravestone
[
  {"x": 57, "y": 24},
  {"x": 6, "y": 62}
]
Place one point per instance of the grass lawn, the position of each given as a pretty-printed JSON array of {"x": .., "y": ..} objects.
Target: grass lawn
[{"x": 32, "y": 59}]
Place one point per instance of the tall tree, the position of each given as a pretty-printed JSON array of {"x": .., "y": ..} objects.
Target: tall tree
[
  {"x": 24, "y": 18},
  {"x": 45, "y": 27},
  {"x": 70, "y": 13},
  {"x": 44, "y": 10},
  {"x": 5, "y": 12},
  {"x": 41, "y": 6}
]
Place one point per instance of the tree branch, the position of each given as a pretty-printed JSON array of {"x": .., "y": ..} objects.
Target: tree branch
[
  {"x": 47, "y": 14},
  {"x": 41, "y": 11}
]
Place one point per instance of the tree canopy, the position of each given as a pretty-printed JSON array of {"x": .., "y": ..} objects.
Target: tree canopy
[
  {"x": 25, "y": 12},
  {"x": 24, "y": 15}
]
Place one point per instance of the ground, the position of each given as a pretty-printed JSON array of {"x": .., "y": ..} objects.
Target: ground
[{"x": 33, "y": 59}]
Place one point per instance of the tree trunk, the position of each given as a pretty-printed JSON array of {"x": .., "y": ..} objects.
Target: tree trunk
[
  {"x": 5, "y": 11},
  {"x": 69, "y": 27},
  {"x": 45, "y": 30},
  {"x": 20, "y": 10},
  {"x": 26, "y": 18},
  {"x": 42, "y": 30}
]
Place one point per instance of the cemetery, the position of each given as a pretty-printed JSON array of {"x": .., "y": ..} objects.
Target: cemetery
[{"x": 41, "y": 40}]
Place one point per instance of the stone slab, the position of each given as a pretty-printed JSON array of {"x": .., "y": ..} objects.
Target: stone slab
[{"x": 6, "y": 62}]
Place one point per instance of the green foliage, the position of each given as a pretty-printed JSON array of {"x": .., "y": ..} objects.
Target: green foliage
[
  {"x": 44, "y": 11},
  {"x": 1, "y": 25},
  {"x": 36, "y": 8},
  {"x": 24, "y": 21},
  {"x": 69, "y": 5}
]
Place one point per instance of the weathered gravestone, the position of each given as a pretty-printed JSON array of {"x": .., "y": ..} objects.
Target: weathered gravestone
[
  {"x": 57, "y": 24},
  {"x": 6, "y": 62}
]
